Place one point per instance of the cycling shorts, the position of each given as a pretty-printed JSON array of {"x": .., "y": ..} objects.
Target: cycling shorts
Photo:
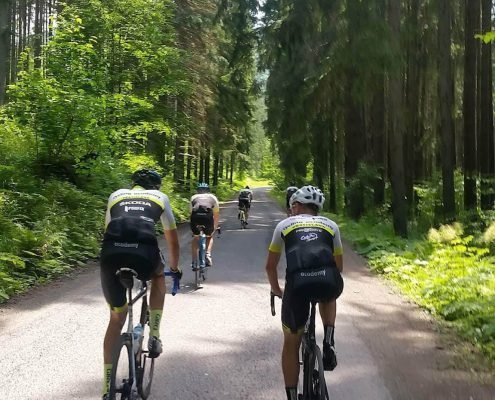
[
  {"x": 244, "y": 203},
  {"x": 202, "y": 217},
  {"x": 295, "y": 308},
  {"x": 143, "y": 258}
]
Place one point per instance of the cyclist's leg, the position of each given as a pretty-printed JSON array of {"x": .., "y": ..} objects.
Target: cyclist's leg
[
  {"x": 290, "y": 358},
  {"x": 194, "y": 250},
  {"x": 328, "y": 313},
  {"x": 209, "y": 228},
  {"x": 115, "y": 296},
  {"x": 294, "y": 315}
]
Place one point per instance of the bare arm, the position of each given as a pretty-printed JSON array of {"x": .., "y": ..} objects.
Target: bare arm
[
  {"x": 216, "y": 219},
  {"x": 172, "y": 239},
  {"x": 271, "y": 271},
  {"x": 339, "y": 261}
]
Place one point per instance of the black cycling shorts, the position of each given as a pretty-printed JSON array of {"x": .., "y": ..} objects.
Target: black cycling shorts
[
  {"x": 295, "y": 309},
  {"x": 202, "y": 217},
  {"x": 244, "y": 203},
  {"x": 143, "y": 258}
]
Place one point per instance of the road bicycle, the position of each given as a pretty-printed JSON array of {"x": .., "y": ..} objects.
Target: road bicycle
[
  {"x": 199, "y": 268},
  {"x": 132, "y": 368},
  {"x": 314, "y": 386},
  {"x": 243, "y": 217}
]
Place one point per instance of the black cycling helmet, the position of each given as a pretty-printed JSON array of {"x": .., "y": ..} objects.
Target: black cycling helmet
[
  {"x": 247, "y": 187},
  {"x": 147, "y": 178}
]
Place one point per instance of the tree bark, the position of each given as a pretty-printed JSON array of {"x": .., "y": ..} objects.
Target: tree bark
[
  {"x": 5, "y": 31},
  {"x": 396, "y": 150},
  {"x": 446, "y": 96},
  {"x": 469, "y": 104},
  {"x": 486, "y": 148}
]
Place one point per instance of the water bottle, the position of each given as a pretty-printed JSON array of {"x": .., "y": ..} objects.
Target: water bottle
[{"x": 138, "y": 336}]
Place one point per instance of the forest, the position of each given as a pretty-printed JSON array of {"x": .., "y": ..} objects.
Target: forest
[{"x": 387, "y": 105}]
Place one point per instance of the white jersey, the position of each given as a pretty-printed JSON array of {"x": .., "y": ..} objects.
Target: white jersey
[
  {"x": 204, "y": 200},
  {"x": 151, "y": 205}
]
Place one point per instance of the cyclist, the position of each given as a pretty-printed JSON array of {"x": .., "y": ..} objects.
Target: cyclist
[
  {"x": 204, "y": 211},
  {"x": 245, "y": 198},
  {"x": 313, "y": 250},
  {"x": 130, "y": 241},
  {"x": 291, "y": 189}
]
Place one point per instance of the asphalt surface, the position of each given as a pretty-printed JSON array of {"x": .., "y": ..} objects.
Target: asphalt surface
[{"x": 221, "y": 342}]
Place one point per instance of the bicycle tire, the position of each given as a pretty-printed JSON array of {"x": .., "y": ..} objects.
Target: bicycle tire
[
  {"x": 145, "y": 376},
  {"x": 243, "y": 219},
  {"x": 124, "y": 389},
  {"x": 319, "y": 389}
]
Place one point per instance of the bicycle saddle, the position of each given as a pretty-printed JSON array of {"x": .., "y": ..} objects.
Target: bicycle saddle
[{"x": 126, "y": 277}]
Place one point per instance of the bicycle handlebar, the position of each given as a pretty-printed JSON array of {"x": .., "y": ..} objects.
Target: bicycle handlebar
[
  {"x": 175, "y": 279},
  {"x": 272, "y": 302}
]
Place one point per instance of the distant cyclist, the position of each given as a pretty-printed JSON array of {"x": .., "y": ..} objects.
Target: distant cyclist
[
  {"x": 313, "y": 250},
  {"x": 205, "y": 211},
  {"x": 288, "y": 193},
  {"x": 245, "y": 198},
  {"x": 130, "y": 241}
]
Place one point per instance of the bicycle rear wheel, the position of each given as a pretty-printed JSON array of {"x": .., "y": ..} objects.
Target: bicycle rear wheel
[
  {"x": 319, "y": 386},
  {"x": 145, "y": 376},
  {"x": 121, "y": 380},
  {"x": 243, "y": 219}
]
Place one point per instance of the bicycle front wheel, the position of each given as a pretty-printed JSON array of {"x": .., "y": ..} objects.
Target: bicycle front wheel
[{"x": 121, "y": 379}]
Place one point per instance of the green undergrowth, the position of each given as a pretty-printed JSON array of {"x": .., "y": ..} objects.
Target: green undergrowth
[
  {"x": 45, "y": 232},
  {"x": 447, "y": 272}
]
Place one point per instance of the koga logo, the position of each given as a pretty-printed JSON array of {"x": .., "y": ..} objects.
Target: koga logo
[
  {"x": 127, "y": 209},
  {"x": 310, "y": 237},
  {"x": 133, "y": 245},
  {"x": 313, "y": 274}
]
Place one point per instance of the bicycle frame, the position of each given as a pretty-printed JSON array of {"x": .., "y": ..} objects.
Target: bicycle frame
[{"x": 142, "y": 293}]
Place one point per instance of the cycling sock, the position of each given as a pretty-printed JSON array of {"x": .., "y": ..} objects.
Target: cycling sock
[
  {"x": 291, "y": 393},
  {"x": 107, "y": 372},
  {"x": 155, "y": 319},
  {"x": 329, "y": 331}
]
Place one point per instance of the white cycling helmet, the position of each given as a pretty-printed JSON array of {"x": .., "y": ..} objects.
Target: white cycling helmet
[{"x": 308, "y": 195}]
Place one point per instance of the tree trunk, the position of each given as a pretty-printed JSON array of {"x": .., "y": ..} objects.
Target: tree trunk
[
  {"x": 188, "y": 165},
  {"x": 378, "y": 142},
  {"x": 179, "y": 161},
  {"x": 5, "y": 30},
  {"x": 38, "y": 33},
  {"x": 486, "y": 147},
  {"x": 207, "y": 166},
  {"x": 216, "y": 162},
  {"x": 412, "y": 101},
  {"x": 201, "y": 174},
  {"x": 332, "y": 168},
  {"x": 469, "y": 103},
  {"x": 446, "y": 94},
  {"x": 396, "y": 150},
  {"x": 231, "y": 172}
]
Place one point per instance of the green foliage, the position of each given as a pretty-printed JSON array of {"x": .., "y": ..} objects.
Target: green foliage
[{"x": 448, "y": 274}]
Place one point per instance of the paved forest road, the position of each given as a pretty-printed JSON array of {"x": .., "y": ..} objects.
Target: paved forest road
[{"x": 221, "y": 342}]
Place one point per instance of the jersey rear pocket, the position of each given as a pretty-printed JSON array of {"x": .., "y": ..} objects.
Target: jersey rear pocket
[
  {"x": 131, "y": 230},
  {"x": 319, "y": 284}
]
